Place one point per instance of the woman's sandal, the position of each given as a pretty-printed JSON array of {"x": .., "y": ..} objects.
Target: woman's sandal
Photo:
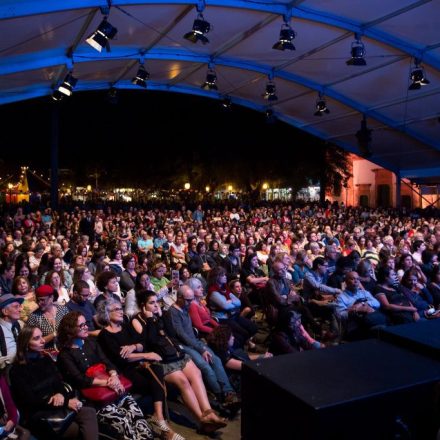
[
  {"x": 165, "y": 431},
  {"x": 210, "y": 422}
]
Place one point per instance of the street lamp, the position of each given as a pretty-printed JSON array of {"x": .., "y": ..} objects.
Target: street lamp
[
  {"x": 187, "y": 186},
  {"x": 10, "y": 186}
]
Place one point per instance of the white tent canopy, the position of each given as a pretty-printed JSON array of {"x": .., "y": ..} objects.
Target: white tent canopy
[{"x": 42, "y": 40}]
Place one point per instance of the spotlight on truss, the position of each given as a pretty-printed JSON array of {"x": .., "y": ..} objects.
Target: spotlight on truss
[
  {"x": 199, "y": 29},
  {"x": 100, "y": 38}
]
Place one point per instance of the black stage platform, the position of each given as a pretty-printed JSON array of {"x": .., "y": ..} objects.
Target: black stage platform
[
  {"x": 363, "y": 390},
  {"x": 421, "y": 337}
]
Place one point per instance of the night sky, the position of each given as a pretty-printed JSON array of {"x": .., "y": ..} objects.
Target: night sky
[{"x": 145, "y": 132}]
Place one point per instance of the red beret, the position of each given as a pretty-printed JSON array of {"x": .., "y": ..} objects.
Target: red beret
[{"x": 44, "y": 290}]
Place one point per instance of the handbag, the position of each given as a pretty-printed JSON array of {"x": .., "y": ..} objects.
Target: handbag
[
  {"x": 57, "y": 419},
  {"x": 103, "y": 395}
]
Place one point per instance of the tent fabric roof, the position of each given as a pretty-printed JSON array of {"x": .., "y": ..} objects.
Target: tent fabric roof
[{"x": 43, "y": 39}]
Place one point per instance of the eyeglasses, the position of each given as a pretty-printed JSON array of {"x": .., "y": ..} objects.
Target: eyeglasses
[
  {"x": 82, "y": 326},
  {"x": 118, "y": 309}
]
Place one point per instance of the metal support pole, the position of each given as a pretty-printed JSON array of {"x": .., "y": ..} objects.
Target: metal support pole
[
  {"x": 398, "y": 190},
  {"x": 54, "y": 157}
]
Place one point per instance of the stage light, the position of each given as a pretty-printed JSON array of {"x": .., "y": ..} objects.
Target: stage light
[
  {"x": 418, "y": 77},
  {"x": 321, "y": 106},
  {"x": 113, "y": 95},
  {"x": 287, "y": 35},
  {"x": 357, "y": 53},
  {"x": 66, "y": 87},
  {"x": 210, "y": 82},
  {"x": 270, "y": 116},
  {"x": 141, "y": 77},
  {"x": 364, "y": 139},
  {"x": 199, "y": 29},
  {"x": 227, "y": 103},
  {"x": 270, "y": 93},
  {"x": 99, "y": 39}
]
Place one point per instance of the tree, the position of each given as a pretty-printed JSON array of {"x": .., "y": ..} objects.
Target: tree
[{"x": 333, "y": 169}]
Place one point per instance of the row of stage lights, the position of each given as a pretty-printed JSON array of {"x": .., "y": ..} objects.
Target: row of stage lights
[{"x": 105, "y": 32}]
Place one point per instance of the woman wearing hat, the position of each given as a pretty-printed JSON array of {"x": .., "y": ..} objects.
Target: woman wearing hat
[{"x": 48, "y": 315}]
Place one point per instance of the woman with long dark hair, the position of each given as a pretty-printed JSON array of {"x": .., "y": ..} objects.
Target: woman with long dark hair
[
  {"x": 77, "y": 355},
  {"x": 38, "y": 391},
  {"x": 178, "y": 367}
]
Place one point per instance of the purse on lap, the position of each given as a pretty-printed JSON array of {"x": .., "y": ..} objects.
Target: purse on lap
[{"x": 99, "y": 394}]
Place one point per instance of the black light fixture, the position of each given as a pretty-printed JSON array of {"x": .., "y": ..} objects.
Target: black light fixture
[
  {"x": 199, "y": 29},
  {"x": 66, "y": 87},
  {"x": 227, "y": 103},
  {"x": 364, "y": 139},
  {"x": 321, "y": 106},
  {"x": 141, "y": 77},
  {"x": 287, "y": 35},
  {"x": 113, "y": 95},
  {"x": 99, "y": 39},
  {"x": 418, "y": 77},
  {"x": 270, "y": 93},
  {"x": 270, "y": 116},
  {"x": 357, "y": 53},
  {"x": 211, "y": 80}
]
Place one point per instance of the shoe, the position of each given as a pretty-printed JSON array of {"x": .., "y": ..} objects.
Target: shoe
[
  {"x": 232, "y": 402},
  {"x": 211, "y": 422},
  {"x": 163, "y": 430}
]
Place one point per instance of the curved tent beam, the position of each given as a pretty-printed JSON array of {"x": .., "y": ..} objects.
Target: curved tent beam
[
  {"x": 44, "y": 59},
  {"x": 32, "y": 7}
]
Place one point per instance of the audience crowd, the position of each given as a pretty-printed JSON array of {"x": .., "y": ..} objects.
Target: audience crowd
[{"x": 149, "y": 304}]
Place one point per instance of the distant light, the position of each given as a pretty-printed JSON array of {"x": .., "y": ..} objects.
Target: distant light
[
  {"x": 230, "y": 188},
  {"x": 418, "y": 77},
  {"x": 265, "y": 186},
  {"x": 321, "y": 106},
  {"x": 207, "y": 189},
  {"x": 270, "y": 92},
  {"x": 187, "y": 185},
  {"x": 227, "y": 103},
  {"x": 141, "y": 77},
  {"x": 357, "y": 53},
  {"x": 89, "y": 188},
  {"x": 210, "y": 82}
]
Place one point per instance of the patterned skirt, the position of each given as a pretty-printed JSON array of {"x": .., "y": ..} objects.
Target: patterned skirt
[{"x": 124, "y": 420}]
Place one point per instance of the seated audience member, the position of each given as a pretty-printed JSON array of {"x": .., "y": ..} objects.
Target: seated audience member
[
  {"x": 39, "y": 391},
  {"x": 226, "y": 307},
  {"x": 179, "y": 325},
  {"x": 289, "y": 335},
  {"x": 434, "y": 286},
  {"x": 397, "y": 306},
  {"x": 78, "y": 353},
  {"x": 80, "y": 303},
  {"x": 22, "y": 289},
  {"x": 10, "y": 308},
  {"x": 221, "y": 341},
  {"x": 107, "y": 284},
  {"x": 419, "y": 295},
  {"x": 178, "y": 368},
  {"x": 254, "y": 278},
  {"x": 198, "y": 311},
  {"x": 246, "y": 308},
  {"x": 358, "y": 309},
  {"x": 48, "y": 315}
]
